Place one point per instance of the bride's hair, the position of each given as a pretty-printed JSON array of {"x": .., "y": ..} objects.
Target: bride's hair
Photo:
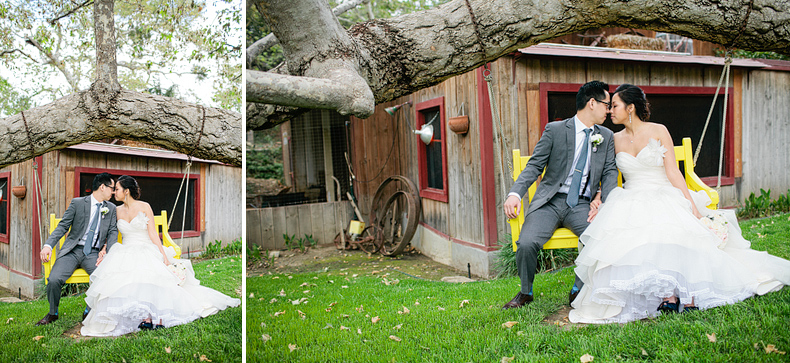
[
  {"x": 633, "y": 95},
  {"x": 128, "y": 182}
]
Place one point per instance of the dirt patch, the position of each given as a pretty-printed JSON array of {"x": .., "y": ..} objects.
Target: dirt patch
[
  {"x": 74, "y": 333},
  {"x": 329, "y": 258},
  {"x": 560, "y": 319}
]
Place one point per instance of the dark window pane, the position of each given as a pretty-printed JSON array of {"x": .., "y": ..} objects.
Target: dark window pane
[
  {"x": 160, "y": 193},
  {"x": 433, "y": 151},
  {"x": 4, "y": 206},
  {"x": 683, "y": 115}
]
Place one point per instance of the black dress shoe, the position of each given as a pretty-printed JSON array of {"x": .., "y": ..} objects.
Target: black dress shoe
[
  {"x": 518, "y": 301},
  {"x": 572, "y": 296},
  {"x": 47, "y": 319}
]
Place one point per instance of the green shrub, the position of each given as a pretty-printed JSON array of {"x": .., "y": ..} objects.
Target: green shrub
[
  {"x": 763, "y": 206},
  {"x": 215, "y": 249},
  {"x": 265, "y": 163},
  {"x": 548, "y": 260}
]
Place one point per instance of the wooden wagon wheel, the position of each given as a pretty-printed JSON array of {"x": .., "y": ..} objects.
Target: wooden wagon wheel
[
  {"x": 398, "y": 222},
  {"x": 371, "y": 239},
  {"x": 376, "y": 205}
]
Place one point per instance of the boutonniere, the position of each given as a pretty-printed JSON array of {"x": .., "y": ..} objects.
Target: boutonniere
[
  {"x": 596, "y": 140},
  {"x": 104, "y": 210}
]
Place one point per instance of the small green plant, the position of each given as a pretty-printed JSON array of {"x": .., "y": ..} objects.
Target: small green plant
[
  {"x": 253, "y": 253},
  {"x": 763, "y": 206},
  {"x": 215, "y": 249},
  {"x": 290, "y": 241},
  {"x": 309, "y": 240},
  {"x": 548, "y": 260}
]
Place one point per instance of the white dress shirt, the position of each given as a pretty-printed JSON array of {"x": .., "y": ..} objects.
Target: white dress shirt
[{"x": 564, "y": 188}]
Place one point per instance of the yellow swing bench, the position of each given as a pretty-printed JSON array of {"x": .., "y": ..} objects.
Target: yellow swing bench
[
  {"x": 80, "y": 275},
  {"x": 563, "y": 237}
]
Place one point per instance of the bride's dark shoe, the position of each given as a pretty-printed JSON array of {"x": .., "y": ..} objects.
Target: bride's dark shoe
[{"x": 668, "y": 307}]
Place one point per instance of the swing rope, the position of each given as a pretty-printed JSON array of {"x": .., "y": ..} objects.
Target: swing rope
[
  {"x": 37, "y": 183},
  {"x": 499, "y": 131},
  {"x": 187, "y": 169},
  {"x": 725, "y": 76}
]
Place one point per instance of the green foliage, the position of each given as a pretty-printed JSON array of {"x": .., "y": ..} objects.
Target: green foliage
[
  {"x": 253, "y": 253},
  {"x": 218, "y": 337},
  {"x": 740, "y": 53},
  {"x": 265, "y": 163},
  {"x": 762, "y": 206},
  {"x": 292, "y": 242},
  {"x": 158, "y": 42},
  {"x": 548, "y": 260},
  {"x": 216, "y": 250}
]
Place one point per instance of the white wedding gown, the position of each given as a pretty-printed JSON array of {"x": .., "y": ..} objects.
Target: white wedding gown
[
  {"x": 132, "y": 283},
  {"x": 645, "y": 245}
]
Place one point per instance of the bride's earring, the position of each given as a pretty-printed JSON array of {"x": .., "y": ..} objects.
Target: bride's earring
[{"x": 629, "y": 118}]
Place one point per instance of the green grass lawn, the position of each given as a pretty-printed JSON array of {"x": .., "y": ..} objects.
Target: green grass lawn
[
  {"x": 217, "y": 337},
  {"x": 355, "y": 316}
]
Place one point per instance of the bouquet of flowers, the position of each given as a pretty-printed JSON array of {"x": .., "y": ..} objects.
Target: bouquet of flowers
[
  {"x": 718, "y": 225},
  {"x": 179, "y": 270}
]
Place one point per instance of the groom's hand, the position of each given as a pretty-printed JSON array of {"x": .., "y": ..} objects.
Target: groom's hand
[
  {"x": 512, "y": 206},
  {"x": 46, "y": 253}
]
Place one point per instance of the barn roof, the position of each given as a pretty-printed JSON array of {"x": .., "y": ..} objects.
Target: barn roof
[
  {"x": 136, "y": 151},
  {"x": 635, "y": 55}
]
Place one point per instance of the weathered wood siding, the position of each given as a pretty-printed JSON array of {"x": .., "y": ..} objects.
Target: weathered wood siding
[
  {"x": 17, "y": 254},
  {"x": 266, "y": 226},
  {"x": 766, "y": 133},
  {"x": 222, "y": 197}
]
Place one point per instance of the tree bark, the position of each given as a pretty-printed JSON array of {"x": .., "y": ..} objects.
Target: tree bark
[
  {"x": 167, "y": 122},
  {"x": 398, "y": 56}
]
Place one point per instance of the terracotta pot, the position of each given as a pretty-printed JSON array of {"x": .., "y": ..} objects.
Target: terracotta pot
[
  {"x": 19, "y": 191},
  {"x": 459, "y": 124}
]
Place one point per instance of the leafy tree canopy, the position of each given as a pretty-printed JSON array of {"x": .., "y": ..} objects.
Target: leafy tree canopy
[{"x": 47, "y": 49}]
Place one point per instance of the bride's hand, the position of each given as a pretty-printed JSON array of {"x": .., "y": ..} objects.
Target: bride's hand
[
  {"x": 696, "y": 212},
  {"x": 167, "y": 263}
]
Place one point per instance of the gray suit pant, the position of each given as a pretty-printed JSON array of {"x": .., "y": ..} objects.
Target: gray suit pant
[
  {"x": 62, "y": 270},
  {"x": 537, "y": 230}
]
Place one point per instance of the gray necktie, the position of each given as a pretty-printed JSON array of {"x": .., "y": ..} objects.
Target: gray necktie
[
  {"x": 578, "y": 170},
  {"x": 91, "y": 231}
]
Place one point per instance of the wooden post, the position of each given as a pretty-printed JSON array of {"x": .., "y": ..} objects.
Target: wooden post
[{"x": 328, "y": 171}]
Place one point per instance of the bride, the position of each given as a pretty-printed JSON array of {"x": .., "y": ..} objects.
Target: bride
[
  {"x": 137, "y": 286},
  {"x": 646, "y": 251}
]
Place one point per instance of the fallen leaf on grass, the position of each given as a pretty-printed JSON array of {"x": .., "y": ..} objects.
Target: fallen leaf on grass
[
  {"x": 275, "y": 277},
  {"x": 333, "y": 304},
  {"x": 344, "y": 286},
  {"x": 417, "y": 302},
  {"x": 306, "y": 291},
  {"x": 440, "y": 308},
  {"x": 265, "y": 337},
  {"x": 168, "y": 350},
  {"x": 509, "y": 324},
  {"x": 299, "y": 301},
  {"x": 301, "y": 314},
  {"x": 404, "y": 311},
  {"x": 520, "y": 332},
  {"x": 359, "y": 331},
  {"x": 252, "y": 295},
  {"x": 360, "y": 309},
  {"x": 204, "y": 359},
  {"x": 644, "y": 352},
  {"x": 292, "y": 347},
  {"x": 9, "y": 320},
  {"x": 328, "y": 326},
  {"x": 282, "y": 292},
  {"x": 38, "y": 337},
  {"x": 279, "y": 313},
  {"x": 711, "y": 337},
  {"x": 586, "y": 358},
  {"x": 304, "y": 284},
  {"x": 395, "y": 338},
  {"x": 397, "y": 327},
  {"x": 328, "y": 309},
  {"x": 507, "y": 359},
  {"x": 464, "y": 302},
  {"x": 770, "y": 348},
  {"x": 273, "y": 300},
  {"x": 375, "y": 319},
  {"x": 344, "y": 328},
  {"x": 345, "y": 316}
]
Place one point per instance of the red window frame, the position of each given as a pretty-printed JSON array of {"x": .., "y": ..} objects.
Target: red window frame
[
  {"x": 425, "y": 191},
  {"x": 727, "y": 177},
  {"x": 4, "y": 237},
  {"x": 117, "y": 172}
]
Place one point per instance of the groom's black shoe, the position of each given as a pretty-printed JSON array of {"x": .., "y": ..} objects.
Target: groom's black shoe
[
  {"x": 518, "y": 301},
  {"x": 572, "y": 296},
  {"x": 47, "y": 319}
]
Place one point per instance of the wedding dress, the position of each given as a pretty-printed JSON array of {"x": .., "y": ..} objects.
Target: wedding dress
[
  {"x": 645, "y": 245},
  {"x": 132, "y": 284}
]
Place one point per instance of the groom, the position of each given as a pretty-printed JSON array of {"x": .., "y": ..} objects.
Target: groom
[
  {"x": 577, "y": 162},
  {"x": 92, "y": 221}
]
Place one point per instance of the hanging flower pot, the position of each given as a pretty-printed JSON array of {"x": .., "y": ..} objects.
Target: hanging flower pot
[
  {"x": 19, "y": 191},
  {"x": 459, "y": 124}
]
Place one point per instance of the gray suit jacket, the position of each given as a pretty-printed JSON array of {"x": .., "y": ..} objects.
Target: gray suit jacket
[
  {"x": 554, "y": 152},
  {"x": 77, "y": 217}
]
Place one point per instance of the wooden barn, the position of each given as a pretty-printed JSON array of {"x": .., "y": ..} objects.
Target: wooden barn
[
  {"x": 463, "y": 177},
  {"x": 52, "y": 180}
]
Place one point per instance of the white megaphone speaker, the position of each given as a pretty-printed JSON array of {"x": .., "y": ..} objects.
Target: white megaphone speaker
[{"x": 425, "y": 133}]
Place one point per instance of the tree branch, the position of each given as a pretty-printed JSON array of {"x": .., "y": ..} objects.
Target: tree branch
[
  {"x": 72, "y": 11},
  {"x": 56, "y": 62},
  {"x": 270, "y": 40}
]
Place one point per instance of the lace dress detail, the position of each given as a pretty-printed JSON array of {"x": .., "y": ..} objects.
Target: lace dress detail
[
  {"x": 132, "y": 284},
  {"x": 646, "y": 245}
]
